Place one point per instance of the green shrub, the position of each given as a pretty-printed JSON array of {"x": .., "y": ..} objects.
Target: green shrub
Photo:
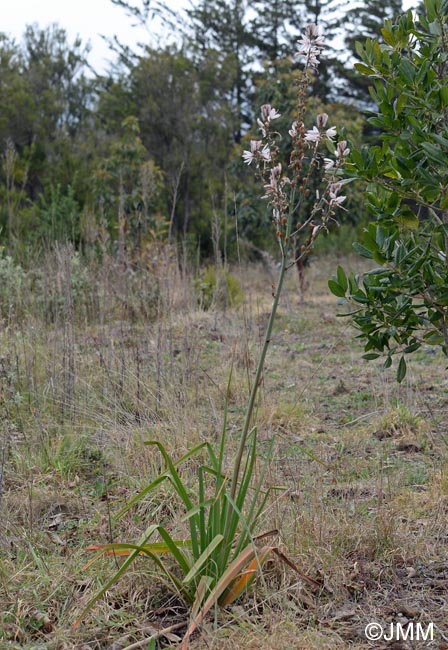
[
  {"x": 222, "y": 289},
  {"x": 403, "y": 303}
]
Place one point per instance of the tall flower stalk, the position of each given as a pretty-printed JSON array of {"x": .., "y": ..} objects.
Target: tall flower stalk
[
  {"x": 222, "y": 553},
  {"x": 286, "y": 191}
]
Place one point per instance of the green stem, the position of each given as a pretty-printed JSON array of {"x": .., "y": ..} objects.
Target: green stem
[{"x": 256, "y": 384}]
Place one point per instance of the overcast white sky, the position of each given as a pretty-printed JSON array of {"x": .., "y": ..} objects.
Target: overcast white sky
[{"x": 88, "y": 18}]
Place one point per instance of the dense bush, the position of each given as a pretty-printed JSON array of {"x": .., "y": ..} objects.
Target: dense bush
[
  {"x": 403, "y": 302},
  {"x": 221, "y": 288}
]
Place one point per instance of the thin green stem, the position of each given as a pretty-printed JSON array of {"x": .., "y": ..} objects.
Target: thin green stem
[{"x": 256, "y": 384}]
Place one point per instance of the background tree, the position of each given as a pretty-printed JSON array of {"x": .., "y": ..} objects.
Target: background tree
[
  {"x": 126, "y": 186},
  {"x": 45, "y": 104},
  {"x": 192, "y": 102},
  {"x": 58, "y": 95},
  {"x": 276, "y": 27},
  {"x": 220, "y": 30}
]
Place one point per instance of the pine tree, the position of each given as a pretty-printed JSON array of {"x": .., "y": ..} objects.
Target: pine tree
[
  {"x": 276, "y": 26},
  {"x": 220, "y": 31}
]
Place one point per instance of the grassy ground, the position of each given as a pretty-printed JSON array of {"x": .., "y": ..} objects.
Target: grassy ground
[{"x": 362, "y": 463}]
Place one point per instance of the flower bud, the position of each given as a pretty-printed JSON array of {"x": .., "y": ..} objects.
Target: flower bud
[{"x": 322, "y": 120}]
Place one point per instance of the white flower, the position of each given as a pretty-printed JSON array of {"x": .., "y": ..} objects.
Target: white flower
[
  {"x": 341, "y": 149},
  {"x": 276, "y": 171},
  {"x": 295, "y": 129},
  {"x": 311, "y": 53},
  {"x": 272, "y": 186},
  {"x": 274, "y": 114},
  {"x": 249, "y": 156},
  {"x": 306, "y": 44},
  {"x": 265, "y": 153},
  {"x": 311, "y": 45},
  {"x": 334, "y": 189},
  {"x": 328, "y": 163},
  {"x": 268, "y": 113},
  {"x": 312, "y": 31},
  {"x": 313, "y": 135},
  {"x": 335, "y": 200}
]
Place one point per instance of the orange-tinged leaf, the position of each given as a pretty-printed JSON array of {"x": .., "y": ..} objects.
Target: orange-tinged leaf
[
  {"x": 108, "y": 549},
  {"x": 157, "y": 548},
  {"x": 241, "y": 583},
  {"x": 235, "y": 568}
]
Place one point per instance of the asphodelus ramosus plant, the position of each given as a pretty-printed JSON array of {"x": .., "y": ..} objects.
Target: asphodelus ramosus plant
[{"x": 224, "y": 551}]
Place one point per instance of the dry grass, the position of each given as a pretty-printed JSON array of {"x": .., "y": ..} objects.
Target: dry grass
[{"x": 361, "y": 463}]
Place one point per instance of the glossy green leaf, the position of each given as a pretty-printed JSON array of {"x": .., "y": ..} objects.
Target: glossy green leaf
[
  {"x": 444, "y": 96},
  {"x": 435, "y": 153},
  {"x": 364, "y": 69},
  {"x": 342, "y": 278},
  {"x": 407, "y": 71},
  {"x": 401, "y": 370},
  {"x": 363, "y": 251},
  {"x": 336, "y": 289}
]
